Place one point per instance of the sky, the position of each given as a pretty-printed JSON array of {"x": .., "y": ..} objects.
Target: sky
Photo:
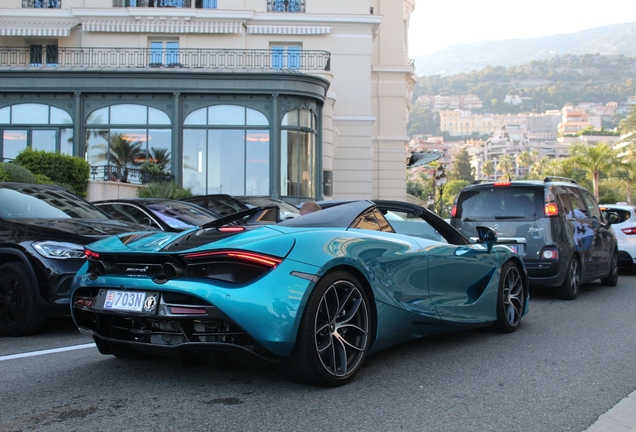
[{"x": 436, "y": 24}]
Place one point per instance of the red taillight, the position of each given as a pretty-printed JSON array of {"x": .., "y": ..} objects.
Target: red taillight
[
  {"x": 502, "y": 183},
  {"x": 231, "y": 228},
  {"x": 550, "y": 254},
  {"x": 454, "y": 211},
  {"x": 266, "y": 260},
  {"x": 90, "y": 254},
  {"x": 629, "y": 231},
  {"x": 551, "y": 209}
]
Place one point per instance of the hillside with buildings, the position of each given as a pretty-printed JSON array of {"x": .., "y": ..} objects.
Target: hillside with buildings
[{"x": 607, "y": 40}]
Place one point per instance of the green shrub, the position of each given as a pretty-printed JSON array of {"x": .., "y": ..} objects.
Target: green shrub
[
  {"x": 42, "y": 179},
  {"x": 4, "y": 176},
  {"x": 63, "y": 169},
  {"x": 17, "y": 173},
  {"x": 164, "y": 190}
]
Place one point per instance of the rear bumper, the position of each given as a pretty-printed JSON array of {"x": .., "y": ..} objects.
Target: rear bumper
[{"x": 545, "y": 273}]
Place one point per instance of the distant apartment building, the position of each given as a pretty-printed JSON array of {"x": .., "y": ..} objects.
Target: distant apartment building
[
  {"x": 449, "y": 150},
  {"x": 465, "y": 123},
  {"x": 574, "y": 120},
  {"x": 437, "y": 103}
]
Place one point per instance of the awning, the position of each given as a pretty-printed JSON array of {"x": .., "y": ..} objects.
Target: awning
[
  {"x": 288, "y": 29},
  {"x": 36, "y": 28},
  {"x": 151, "y": 26}
]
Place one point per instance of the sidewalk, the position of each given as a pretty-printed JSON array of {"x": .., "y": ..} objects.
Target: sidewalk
[{"x": 621, "y": 418}]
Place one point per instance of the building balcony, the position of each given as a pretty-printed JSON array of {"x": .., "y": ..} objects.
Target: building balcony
[
  {"x": 297, "y": 6},
  {"x": 42, "y": 4},
  {"x": 188, "y": 59},
  {"x": 199, "y": 4}
]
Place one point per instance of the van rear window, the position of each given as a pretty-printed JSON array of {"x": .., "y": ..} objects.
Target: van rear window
[{"x": 500, "y": 203}]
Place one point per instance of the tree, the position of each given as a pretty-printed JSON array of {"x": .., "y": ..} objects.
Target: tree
[
  {"x": 488, "y": 168},
  {"x": 594, "y": 159},
  {"x": 527, "y": 158},
  {"x": 504, "y": 165},
  {"x": 462, "y": 169},
  {"x": 121, "y": 152}
]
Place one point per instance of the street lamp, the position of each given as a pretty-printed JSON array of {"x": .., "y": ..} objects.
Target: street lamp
[
  {"x": 440, "y": 181},
  {"x": 430, "y": 201}
]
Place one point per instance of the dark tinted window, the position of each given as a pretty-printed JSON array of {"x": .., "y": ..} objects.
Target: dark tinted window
[
  {"x": 623, "y": 215},
  {"x": 500, "y": 203},
  {"x": 128, "y": 213},
  {"x": 180, "y": 214},
  {"x": 579, "y": 208},
  {"x": 591, "y": 205},
  {"x": 31, "y": 202}
]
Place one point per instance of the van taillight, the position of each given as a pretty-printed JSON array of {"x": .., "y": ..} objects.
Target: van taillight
[
  {"x": 454, "y": 211},
  {"x": 551, "y": 209}
]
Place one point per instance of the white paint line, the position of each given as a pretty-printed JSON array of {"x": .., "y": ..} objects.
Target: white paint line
[{"x": 44, "y": 352}]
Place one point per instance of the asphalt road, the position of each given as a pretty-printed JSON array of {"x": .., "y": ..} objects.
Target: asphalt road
[{"x": 569, "y": 362}]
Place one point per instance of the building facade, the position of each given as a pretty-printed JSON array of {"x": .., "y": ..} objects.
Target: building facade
[{"x": 290, "y": 98}]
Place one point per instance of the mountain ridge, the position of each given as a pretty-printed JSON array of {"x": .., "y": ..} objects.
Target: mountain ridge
[{"x": 613, "y": 39}]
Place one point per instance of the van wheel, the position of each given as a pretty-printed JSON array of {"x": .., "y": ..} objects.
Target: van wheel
[
  {"x": 612, "y": 277},
  {"x": 19, "y": 314},
  {"x": 569, "y": 289}
]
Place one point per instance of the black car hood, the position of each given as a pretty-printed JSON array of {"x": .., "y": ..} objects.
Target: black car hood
[{"x": 77, "y": 230}]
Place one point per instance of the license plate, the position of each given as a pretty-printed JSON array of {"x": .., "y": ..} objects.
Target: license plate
[{"x": 124, "y": 300}]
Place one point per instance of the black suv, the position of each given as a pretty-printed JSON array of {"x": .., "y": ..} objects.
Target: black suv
[
  {"x": 555, "y": 225},
  {"x": 43, "y": 230}
]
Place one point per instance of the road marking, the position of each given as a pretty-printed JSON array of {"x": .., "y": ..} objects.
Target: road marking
[{"x": 49, "y": 351}]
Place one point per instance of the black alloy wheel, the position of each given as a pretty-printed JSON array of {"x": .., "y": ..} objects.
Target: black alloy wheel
[
  {"x": 511, "y": 298},
  {"x": 334, "y": 334},
  {"x": 569, "y": 289},
  {"x": 612, "y": 277},
  {"x": 19, "y": 314}
]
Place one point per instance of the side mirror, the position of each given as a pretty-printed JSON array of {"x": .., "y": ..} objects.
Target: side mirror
[
  {"x": 487, "y": 236},
  {"x": 613, "y": 218}
]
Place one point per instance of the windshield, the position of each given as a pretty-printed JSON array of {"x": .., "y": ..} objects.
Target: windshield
[
  {"x": 29, "y": 202},
  {"x": 500, "y": 203},
  {"x": 265, "y": 201},
  {"x": 178, "y": 214}
]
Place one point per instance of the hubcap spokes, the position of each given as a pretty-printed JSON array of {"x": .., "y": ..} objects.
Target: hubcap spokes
[
  {"x": 513, "y": 296},
  {"x": 341, "y": 328},
  {"x": 10, "y": 301}
]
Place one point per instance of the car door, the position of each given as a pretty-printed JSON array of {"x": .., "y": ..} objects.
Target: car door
[
  {"x": 585, "y": 236},
  {"x": 458, "y": 272},
  {"x": 604, "y": 245}
]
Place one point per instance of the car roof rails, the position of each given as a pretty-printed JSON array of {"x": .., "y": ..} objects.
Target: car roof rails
[{"x": 557, "y": 178}]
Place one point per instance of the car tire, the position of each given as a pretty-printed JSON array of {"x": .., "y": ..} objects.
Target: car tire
[
  {"x": 569, "y": 289},
  {"x": 510, "y": 298},
  {"x": 19, "y": 314},
  {"x": 334, "y": 334},
  {"x": 612, "y": 276}
]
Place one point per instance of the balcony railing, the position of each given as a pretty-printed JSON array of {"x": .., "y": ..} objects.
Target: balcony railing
[
  {"x": 153, "y": 3},
  {"x": 126, "y": 175},
  {"x": 286, "y": 5},
  {"x": 169, "y": 58},
  {"x": 44, "y": 4}
]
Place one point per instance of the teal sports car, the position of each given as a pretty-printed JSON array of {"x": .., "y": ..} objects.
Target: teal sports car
[{"x": 314, "y": 294}]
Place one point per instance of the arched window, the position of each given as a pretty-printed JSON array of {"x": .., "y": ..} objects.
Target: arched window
[
  {"x": 38, "y": 126},
  {"x": 124, "y": 136},
  {"x": 298, "y": 154},
  {"x": 226, "y": 150}
]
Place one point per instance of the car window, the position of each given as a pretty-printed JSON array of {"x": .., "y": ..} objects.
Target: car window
[
  {"x": 128, "y": 213},
  {"x": 180, "y": 214},
  {"x": 579, "y": 208},
  {"x": 29, "y": 202},
  {"x": 623, "y": 215},
  {"x": 563, "y": 197},
  {"x": 591, "y": 205},
  {"x": 411, "y": 224},
  {"x": 500, "y": 203},
  {"x": 373, "y": 220}
]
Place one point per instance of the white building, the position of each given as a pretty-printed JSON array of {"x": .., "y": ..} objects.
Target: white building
[{"x": 307, "y": 98}]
